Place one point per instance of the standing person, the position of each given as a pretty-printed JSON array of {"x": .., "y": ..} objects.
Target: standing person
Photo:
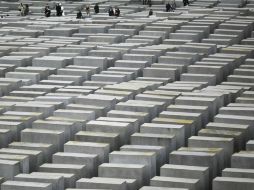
[
  {"x": 47, "y": 11},
  {"x": 79, "y": 14},
  {"x": 117, "y": 12},
  {"x": 21, "y": 9},
  {"x": 150, "y": 12},
  {"x": 88, "y": 10},
  {"x": 26, "y": 10},
  {"x": 59, "y": 11},
  {"x": 145, "y": 2},
  {"x": 168, "y": 7},
  {"x": 96, "y": 8},
  {"x": 110, "y": 11}
]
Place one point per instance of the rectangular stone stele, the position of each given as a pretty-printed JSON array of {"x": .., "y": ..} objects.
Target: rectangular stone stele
[
  {"x": 90, "y": 160},
  {"x": 79, "y": 170},
  {"x": 21, "y": 185},
  {"x": 159, "y": 150},
  {"x": 160, "y": 188},
  {"x": 160, "y": 181},
  {"x": 238, "y": 172},
  {"x": 56, "y": 181},
  {"x": 113, "y": 139},
  {"x": 243, "y": 159},
  {"x": 100, "y": 149},
  {"x": 184, "y": 171},
  {"x": 135, "y": 157},
  {"x": 233, "y": 183},
  {"x": 97, "y": 183},
  {"x": 44, "y": 136},
  {"x": 126, "y": 171},
  {"x": 69, "y": 178},
  {"x": 193, "y": 158},
  {"x": 9, "y": 168}
]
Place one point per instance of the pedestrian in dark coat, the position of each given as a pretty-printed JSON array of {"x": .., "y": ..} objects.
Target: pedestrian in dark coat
[
  {"x": 110, "y": 11},
  {"x": 79, "y": 14},
  {"x": 96, "y": 8}
]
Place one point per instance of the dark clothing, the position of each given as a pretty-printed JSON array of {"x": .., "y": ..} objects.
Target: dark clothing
[
  {"x": 117, "y": 12},
  {"x": 168, "y": 7},
  {"x": 79, "y": 15},
  {"x": 185, "y": 2},
  {"x": 144, "y": 2},
  {"x": 26, "y": 10},
  {"x": 111, "y": 12},
  {"x": 150, "y": 12},
  {"x": 47, "y": 11},
  {"x": 59, "y": 11},
  {"x": 96, "y": 9}
]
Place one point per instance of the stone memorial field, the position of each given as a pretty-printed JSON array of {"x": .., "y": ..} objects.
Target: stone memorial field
[{"x": 151, "y": 99}]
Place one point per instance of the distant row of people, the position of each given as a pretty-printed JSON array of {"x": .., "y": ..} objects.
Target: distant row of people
[
  {"x": 23, "y": 9},
  {"x": 60, "y": 11}
]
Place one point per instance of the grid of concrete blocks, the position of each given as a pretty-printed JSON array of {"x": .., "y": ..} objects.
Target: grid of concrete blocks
[{"x": 135, "y": 102}]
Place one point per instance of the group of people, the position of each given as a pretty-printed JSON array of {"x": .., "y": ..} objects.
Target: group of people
[
  {"x": 59, "y": 10},
  {"x": 87, "y": 9},
  {"x": 114, "y": 12},
  {"x": 111, "y": 11},
  {"x": 23, "y": 9},
  {"x": 170, "y": 7}
]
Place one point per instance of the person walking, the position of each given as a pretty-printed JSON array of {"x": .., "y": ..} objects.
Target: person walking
[{"x": 96, "y": 8}]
